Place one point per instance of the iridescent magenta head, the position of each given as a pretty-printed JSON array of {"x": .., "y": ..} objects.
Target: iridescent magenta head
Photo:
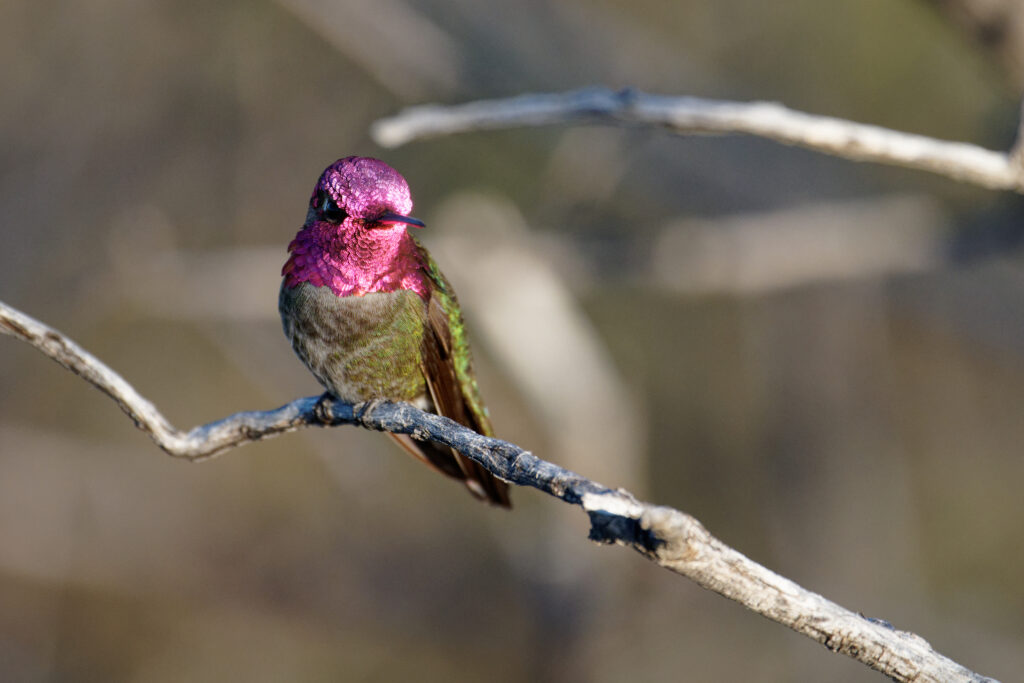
[
  {"x": 364, "y": 191},
  {"x": 354, "y": 239}
]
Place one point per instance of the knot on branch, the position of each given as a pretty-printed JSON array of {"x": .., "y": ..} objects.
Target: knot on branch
[
  {"x": 628, "y": 96},
  {"x": 617, "y": 517},
  {"x": 610, "y": 528}
]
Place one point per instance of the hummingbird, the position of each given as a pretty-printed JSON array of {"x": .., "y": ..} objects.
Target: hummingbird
[{"x": 370, "y": 314}]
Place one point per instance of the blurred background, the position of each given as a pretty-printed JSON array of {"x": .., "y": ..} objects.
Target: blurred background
[{"x": 823, "y": 361}]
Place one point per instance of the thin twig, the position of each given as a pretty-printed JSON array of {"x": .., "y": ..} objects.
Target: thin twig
[
  {"x": 668, "y": 537},
  {"x": 689, "y": 115}
]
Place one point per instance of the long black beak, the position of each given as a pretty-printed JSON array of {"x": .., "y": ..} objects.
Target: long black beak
[{"x": 394, "y": 218}]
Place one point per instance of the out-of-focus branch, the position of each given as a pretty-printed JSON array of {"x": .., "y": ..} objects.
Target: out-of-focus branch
[
  {"x": 668, "y": 537},
  {"x": 688, "y": 115}
]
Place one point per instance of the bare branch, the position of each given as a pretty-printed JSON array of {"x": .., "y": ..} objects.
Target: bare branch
[
  {"x": 668, "y": 537},
  {"x": 688, "y": 115},
  {"x": 200, "y": 443}
]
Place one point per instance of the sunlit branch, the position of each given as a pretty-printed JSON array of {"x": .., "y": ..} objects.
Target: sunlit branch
[{"x": 691, "y": 115}]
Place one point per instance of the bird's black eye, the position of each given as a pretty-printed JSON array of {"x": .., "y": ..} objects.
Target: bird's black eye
[{"x": 329, "y": 209}]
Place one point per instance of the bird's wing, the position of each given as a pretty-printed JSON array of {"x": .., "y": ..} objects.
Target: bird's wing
[{"x": 447, "y": 368}]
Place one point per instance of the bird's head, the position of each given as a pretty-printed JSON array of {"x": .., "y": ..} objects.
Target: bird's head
[{"x": 360, "y": 191}]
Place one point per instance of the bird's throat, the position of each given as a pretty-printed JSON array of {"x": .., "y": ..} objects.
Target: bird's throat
[{"x": 355, "y": 260}]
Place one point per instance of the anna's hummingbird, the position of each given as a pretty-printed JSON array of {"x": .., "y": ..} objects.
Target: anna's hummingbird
[{"x": 368, "y": 311}]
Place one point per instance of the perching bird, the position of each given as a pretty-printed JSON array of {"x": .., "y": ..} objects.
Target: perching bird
[{"x": 368, "y": 311}]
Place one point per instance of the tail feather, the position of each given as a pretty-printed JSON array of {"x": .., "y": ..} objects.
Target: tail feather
[{"x": 478, "y": 480}]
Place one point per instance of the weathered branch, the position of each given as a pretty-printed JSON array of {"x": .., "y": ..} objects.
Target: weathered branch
[
  {"x": 667, "y": 537},
  {"x": 687, "y": 115}
]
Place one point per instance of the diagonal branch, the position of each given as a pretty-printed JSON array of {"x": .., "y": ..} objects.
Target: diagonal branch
[
  {"x": 667, "y": 537},
  {"x": 687, "y": 115}
]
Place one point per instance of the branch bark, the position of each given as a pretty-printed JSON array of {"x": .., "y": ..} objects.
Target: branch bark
[
  {"x": 667, "y": 537},
  {"x": 688, "y": 115}
]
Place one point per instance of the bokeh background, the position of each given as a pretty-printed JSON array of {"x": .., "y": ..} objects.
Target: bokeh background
[{"x": 821, "y": 360}]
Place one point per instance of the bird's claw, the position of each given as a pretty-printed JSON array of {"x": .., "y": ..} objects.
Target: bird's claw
[
  {"x": 323, "y": 408},
  {"x": 365, "y": 408}
]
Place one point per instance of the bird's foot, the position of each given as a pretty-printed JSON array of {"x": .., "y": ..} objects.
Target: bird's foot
[
  {"x": 323, "y": 410},
  {"x": 364, "y": 409}
]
